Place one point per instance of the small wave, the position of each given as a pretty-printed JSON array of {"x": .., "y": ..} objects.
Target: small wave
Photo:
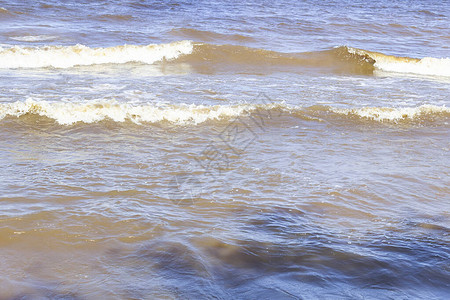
[
  {"x": 208, "y": 36},
  {"x": 34, "y": 38},
  {"x": 430, "y": 13},
  {"x": 390, "y": 63},
  {"x": 205, "y": 58},
  {"x": 66, "y": 113},
  {"x": 208, "y": 58},
  {"x": 391, "y": 114},
  {"x": 232, "y": 57},
  {"x": 70, "y": 56},
  {"x": 112, "y": 17},
  {"x": 4, "y": 13},
  {"x": 341, "y": 59}
]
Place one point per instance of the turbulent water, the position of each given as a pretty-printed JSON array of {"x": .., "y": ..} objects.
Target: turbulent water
[{"x": 224, "y": 149}]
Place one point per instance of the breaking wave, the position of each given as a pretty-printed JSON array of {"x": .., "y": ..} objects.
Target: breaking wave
[
  {"x": 390, "y": 63},
  {"x": 393, "y": 114},
  {"x": 79, "y": 55},
  {"x": 34, "y": 38},
  {"x": 206, "y": 57},
  {"x": 69, "y": 113},
  {"x": 66, "y": 113},
  {"x": 232, "y": 57}
]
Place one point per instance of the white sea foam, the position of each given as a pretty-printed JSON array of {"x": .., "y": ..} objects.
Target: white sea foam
[
  {"x": 424, "y": 66},
  {"x": 69, "y": 56},
  {"x": 33, "y": 38},
  {"x": 393, "y": 114},
  {"x": 66, "y": 113}
]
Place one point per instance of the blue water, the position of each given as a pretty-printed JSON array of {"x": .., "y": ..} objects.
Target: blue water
[{"x": 412, "y": 28}]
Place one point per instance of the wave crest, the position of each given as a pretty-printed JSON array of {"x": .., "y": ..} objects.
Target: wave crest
[
  {"x": 225, "y": 57},
  {"x": 66, "y": 113},
  {"x": 390, "y": 63},
  {"x": 78, "y": 55},
  {"x": 34, "y": 38},
  {"x": 209, "y": 58},
  {"x": 392, "y": 114}
]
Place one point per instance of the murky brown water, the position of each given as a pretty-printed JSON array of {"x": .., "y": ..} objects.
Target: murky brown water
[{"x": 261, "y": 159}]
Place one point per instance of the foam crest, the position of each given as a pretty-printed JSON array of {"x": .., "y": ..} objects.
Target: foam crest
[
  {"x": 33, "y": 38},
  {"x": 78, "y": 55},
  {"x": 425, "y": 66},
  {"x": 392, "y": 114},
  {"x": 208, "y": 58},
  {"x": 66, "y": 113}
]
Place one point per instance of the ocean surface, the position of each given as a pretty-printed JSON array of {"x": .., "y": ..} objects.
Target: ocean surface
[{"x": 224, "y": 149}]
